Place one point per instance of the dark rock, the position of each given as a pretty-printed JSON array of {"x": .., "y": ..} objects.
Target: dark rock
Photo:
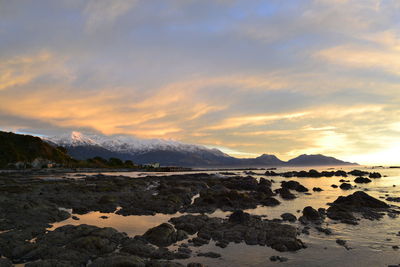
[
  {"x": 118, "y": 260},
  {"x": 310, "y": 215},
  {"x": 317, "y": 189},
  {"x": 164, "y": 235},
  {"x": 393, "y": 199},
  {"x": 49, "y": 263},
  {"x": 198, "y": 241},
  {"x": 209, "y": 255},
  {"x": 6, "y": 263},
  {"x": 239, "y": 217},
  {"x": 278, "y": 258},
  {"x": 326, "y": 231},
  {"x": 375, "y": 175},
  {"x": 221, "y": 244},
  {"x": 358, "y": 173},
  {"x": 342, "y": 243},
  {"x": 285, "y": 193},
  {"x": 345, "y": 186},
  {"x": 343, "y": 207},
  {"x": 362, "y": 180},
  {"x": 334, "y": 186},
  {"x": 250, "y": 229},
  {"x": 194, "y": 264},
  {"x": 288, "y": 217},
  {"x": 360, "y": 199},
  {"x": 294, "y": 185}
]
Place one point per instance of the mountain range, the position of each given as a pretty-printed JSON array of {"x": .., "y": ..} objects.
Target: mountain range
[{"x": 170, "y": 153}]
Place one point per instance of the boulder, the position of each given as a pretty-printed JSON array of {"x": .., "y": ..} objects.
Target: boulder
[
  {"x": 239, "y": 217},
  {"x": 164, "y": 235},
  {"x": 362, "y": 180},
  {"x": 375, "y": 175},
  {"x": 345, "y": 186},
  {"x": 288, "y": 217}
]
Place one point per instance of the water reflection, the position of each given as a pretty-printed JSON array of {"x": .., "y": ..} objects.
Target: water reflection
[{"x": 371, "y": 241}]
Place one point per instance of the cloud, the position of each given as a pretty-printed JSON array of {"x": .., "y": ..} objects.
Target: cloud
[
  {"x": 23, "y": 69},
  {"x": 103, "y": 12},
  {"x": 248, "y": 76}
]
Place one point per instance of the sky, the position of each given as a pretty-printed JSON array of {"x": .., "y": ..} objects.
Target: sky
[{"x": 248, "y": 77}]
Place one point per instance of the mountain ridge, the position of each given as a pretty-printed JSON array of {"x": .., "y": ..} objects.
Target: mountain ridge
[{"x": 172, "y": 153}]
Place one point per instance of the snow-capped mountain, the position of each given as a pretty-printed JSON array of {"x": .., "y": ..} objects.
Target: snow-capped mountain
[
  {"x": 169, "y": 152},
  {"x": 127, "y": 144}
]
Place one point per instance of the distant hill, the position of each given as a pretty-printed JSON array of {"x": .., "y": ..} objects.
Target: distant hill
[
  {"x": 171, "y": 153},
  {"x": 315, "y": 160},
  {"x": 25, "y": 148}
]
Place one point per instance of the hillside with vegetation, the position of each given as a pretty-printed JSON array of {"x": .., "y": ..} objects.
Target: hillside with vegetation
[{"x": 26, "y": 148}]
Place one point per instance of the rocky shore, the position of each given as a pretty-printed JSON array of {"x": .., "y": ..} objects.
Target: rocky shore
[{"x": 29, "y": 205}]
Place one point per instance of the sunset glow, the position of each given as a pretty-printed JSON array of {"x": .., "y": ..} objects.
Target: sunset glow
[{"x": 247, "y": 77}]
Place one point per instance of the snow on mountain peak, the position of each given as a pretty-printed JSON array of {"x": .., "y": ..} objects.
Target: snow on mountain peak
[{"x": 127, "y": 144}]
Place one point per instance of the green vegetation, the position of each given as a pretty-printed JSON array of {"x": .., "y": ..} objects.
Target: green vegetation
[
  {"x": 25, "y": 148},
  {"x": 112, "y": 163}
]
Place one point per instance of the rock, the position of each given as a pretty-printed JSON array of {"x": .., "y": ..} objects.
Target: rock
[
  {"x": 345, "y": 186},
  {"x": 194, "y": 264},
  {"x": 334, "y": 186},
  {"x": 362, "y": 180},
  {"x": 185, "y": 250},
  {"x": 326, "y": 231},
  {"x": 285, "y": 193},
  {"x": 209, "y": 255},
  {"x": 317, "y": 189},
  {"x": 294, "y": 185},
  {"x": 117, "y": 261},
  {"x": 278, "y": 258},
  {"x": 103, "y": 217},
  {"x": 250, "y": 229},
  {"x": 288, "y": 217},
  {"x": 222, "y": 244},
  {"x": 49, "y": 263},
  {"x": 358, "y": 173},
  {"x": 239, "y": 217},
  {"x": 342, "y": 243},
  {"x": 6, "y": 263},
  {"x": 393, "y": 199},
  {"x": 310, "y": 215},
  {"x": 375, "y": 175},
  {"x": 198, "y": 241},
  {"x": 75, "y": 218},
  {"x": 164, "y": 235},
  {"x": 306, "y": 230},
  {"x": 343, "y": 207},
  {"x": 361, "y": 199}
]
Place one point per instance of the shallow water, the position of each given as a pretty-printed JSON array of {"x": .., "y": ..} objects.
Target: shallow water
[{"x": 371, "y": 241}]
